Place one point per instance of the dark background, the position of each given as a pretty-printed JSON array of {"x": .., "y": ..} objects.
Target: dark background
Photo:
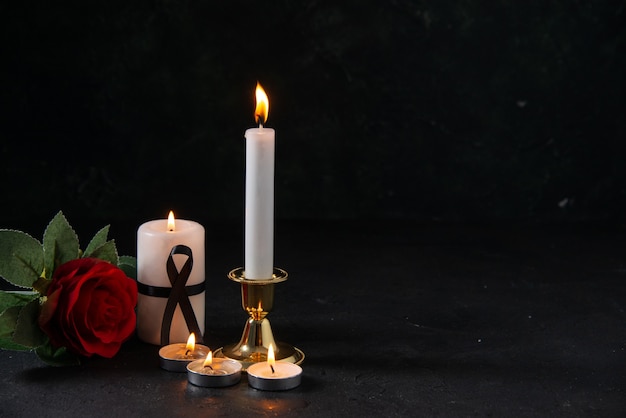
[
  {"x": 464, "y": 111},
  {"x": 450, "y": 192}
]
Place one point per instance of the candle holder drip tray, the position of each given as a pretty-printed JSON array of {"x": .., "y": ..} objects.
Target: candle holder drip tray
[{"x": 257, "y": 299}]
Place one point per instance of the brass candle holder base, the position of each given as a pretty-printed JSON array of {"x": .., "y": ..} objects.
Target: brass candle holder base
[{"x": 257, "y": 299}]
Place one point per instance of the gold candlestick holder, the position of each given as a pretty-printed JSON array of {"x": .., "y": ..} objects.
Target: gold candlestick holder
[{"x": 257, "y": 299}]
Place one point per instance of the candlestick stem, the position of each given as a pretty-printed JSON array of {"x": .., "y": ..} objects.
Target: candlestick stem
[{"x": 257, "y": 299}]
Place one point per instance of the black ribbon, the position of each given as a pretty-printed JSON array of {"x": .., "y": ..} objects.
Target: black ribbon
[
  {"x": 178, "y": 294},
  {"x": 164, "y": 292}
]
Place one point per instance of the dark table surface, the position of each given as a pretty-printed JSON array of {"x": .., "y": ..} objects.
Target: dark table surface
[{"x": 395, "y": 319}]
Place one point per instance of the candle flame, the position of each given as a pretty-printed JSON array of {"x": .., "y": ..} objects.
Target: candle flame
[
  {"x": 209, "y": 359},
  {"x": 262, "y": 109},
  {"x": 171, "y": 223},
  {"x": 271, "y": 360},
  {"x": 191, "y": 342}
]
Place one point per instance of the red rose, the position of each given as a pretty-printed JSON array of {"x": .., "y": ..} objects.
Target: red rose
[{"x": 90, "y": 307}]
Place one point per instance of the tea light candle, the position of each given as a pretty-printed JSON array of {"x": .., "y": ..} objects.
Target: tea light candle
[
  {"x": 214, "y": 372},
  {"x": 272, "y": 375},
  {"x": 176, "y": 357}
]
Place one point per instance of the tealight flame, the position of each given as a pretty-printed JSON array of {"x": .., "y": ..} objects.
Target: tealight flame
[
  {"x": 209, "y": 359},
  {"x": 191, "y": 342},
  {"x": 171, "y": 223},
  {"x": 271, "y": 360},
  {"x": 262, "y": 109}
]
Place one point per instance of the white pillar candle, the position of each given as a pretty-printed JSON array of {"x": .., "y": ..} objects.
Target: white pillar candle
[
  {"x": 259, "y": 212},
  {"x": 155, "y": 241}
]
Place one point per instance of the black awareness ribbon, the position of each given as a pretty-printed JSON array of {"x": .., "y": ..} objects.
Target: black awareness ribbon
[{"x": 178, "y": 294}]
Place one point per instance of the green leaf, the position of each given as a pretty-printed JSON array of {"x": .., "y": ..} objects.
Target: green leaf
[
  {"x": 97, "y": 241},
  {"x": 18, "y": 323},
  {"x": 27, "y": 331},
  {"x": 106, "y": 252},
  {"x": 19, "y": 298},
  {"x": 21, "y": 258},
  {"x": 8, "y": 321},
  {"x": 57, "y": 356},
  {"x": 128, "y": 265},
  {"x": 8, "y": 344},
  {"x": 60, "y": 243}
]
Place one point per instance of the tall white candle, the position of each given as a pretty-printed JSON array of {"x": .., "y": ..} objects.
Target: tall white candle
[
  {"x": 259, "y": 216},
  {"x": 155, "y": 241}
]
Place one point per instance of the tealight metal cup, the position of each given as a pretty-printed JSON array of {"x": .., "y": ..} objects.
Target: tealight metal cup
[
  {"x": 222, "y": 372},
  {"x": 171, "y": 361},
  {"x": 287, "y": 376}
]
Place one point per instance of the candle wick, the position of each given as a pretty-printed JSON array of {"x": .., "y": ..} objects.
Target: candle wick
[
  {"x": 272, "y": 367},
  {"x": 208, "y": 367},
  {"x": 187, "y": 352}
]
